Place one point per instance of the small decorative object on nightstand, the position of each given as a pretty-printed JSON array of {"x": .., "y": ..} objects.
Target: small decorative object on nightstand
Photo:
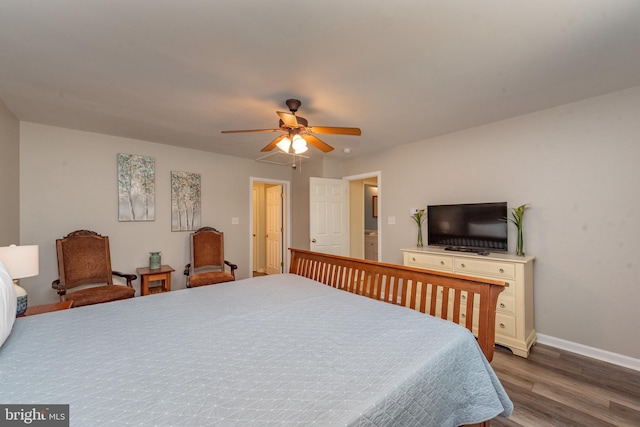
[
  {"x": 161, "y": 274},
  {"x": 21, "y": 261},
  {"x": 155, "y": 260}
]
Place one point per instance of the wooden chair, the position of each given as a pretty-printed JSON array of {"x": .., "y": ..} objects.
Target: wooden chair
[
  {"x": 84, "y": 260},
  {"x": 207, "y": 259}
]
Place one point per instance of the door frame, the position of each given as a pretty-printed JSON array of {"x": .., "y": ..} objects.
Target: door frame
[
  {"x": 286, "y": 218},
  {"x": 378, "y": 176}
]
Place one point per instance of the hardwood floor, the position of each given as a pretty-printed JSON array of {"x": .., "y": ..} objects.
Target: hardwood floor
[{"x": 557, "y": 388}]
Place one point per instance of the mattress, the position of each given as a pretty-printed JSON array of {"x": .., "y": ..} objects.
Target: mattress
[{"x": 270, "y": 350}]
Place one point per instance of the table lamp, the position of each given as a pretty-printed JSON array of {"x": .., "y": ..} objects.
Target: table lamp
[{"x": 21, "y": 261}]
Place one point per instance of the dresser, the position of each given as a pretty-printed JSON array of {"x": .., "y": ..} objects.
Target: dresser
[{"x": 514, "y": 314}]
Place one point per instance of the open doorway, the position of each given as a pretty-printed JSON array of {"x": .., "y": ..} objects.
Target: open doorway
[
  {"x": 337, "y": 215},
  {"x": 364, "y": 207},
  {"x": 270, "y": 227}
]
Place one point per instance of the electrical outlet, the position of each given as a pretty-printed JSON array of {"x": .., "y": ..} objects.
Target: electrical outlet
[
  {"x": 235, "y": 220},
  {"x": 392, "y": 220}
]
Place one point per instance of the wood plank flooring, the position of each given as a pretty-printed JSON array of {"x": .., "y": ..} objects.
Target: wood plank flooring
[{"x": 558, "y": 388}]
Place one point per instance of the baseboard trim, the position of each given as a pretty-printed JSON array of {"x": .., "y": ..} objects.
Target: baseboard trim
[{"x": 594, "y": 353}]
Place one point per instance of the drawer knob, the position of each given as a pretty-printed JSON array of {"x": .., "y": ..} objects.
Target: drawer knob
[
  {"x": 463, "y": 297},
  {"x": 441, "y": 262},
  {"x": 413, "y": 259},
  {"x": 462, "y": 265},
  {"x": 501, "y": 270},
  {"x": 502, "y": 305},
  {"x": 502, "y": 325}
]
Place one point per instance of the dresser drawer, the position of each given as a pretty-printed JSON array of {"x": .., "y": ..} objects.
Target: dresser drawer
[
  {"x": 429, "y": 261},
  {"x": 506, "y": 304},
  {"x": 486, "y": 268},
  {"x": 505, "y": 325}
]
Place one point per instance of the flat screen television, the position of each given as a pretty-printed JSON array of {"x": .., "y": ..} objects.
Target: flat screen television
[{"x": 468, "y": 227}]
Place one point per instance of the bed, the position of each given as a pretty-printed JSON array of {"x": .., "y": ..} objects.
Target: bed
[{"x": 292, "y": 349}]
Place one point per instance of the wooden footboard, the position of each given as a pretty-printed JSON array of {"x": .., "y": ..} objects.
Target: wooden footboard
[{"x": 468, "y": 301}]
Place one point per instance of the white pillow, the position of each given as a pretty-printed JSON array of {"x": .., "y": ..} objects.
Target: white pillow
[{"x": 8, "y": 303}]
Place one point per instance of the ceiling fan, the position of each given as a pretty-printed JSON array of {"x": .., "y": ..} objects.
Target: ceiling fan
[{"x": 298, "y": 132}]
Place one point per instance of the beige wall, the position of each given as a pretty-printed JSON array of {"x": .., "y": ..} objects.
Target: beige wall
[
  {"x": 9, "y": 177},
  {"x": 577, "y": 165},
  {"x": 68, "y": 182}
]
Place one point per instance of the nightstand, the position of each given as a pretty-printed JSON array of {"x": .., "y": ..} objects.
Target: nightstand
[
  {"x": 47, "y": 308},
  {"x": 162, "y": 275}
]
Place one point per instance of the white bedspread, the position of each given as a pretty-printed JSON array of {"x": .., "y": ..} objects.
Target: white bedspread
[{"x": 266, "y": 351}]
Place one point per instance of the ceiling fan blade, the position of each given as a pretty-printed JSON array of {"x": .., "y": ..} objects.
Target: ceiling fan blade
[
  {"x": 251, "y": 130},
  {"x": 335, "y": 130},
  {"x": 270, "y": 146},
  {"x": 318, "y": 143},
  {"x": 289, "y": 119}
]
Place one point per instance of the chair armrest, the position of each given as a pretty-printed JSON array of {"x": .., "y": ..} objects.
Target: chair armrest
[
  {"x": 187, "y": 271},
  {"x": 62, "y": 290},
  {"x": 130, "y": 277},
  {"x": 233, "y": 267}
]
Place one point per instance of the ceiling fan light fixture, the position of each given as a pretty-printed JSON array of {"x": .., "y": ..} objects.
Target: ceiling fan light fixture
[
  {"x": 284, "y": 144},
  {"x": 297, "y": 132},
  {"x": 299, "y": 145}
]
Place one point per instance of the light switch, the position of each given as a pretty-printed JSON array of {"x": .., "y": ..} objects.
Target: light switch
[
  {"x": 235, "y": 220},
  {"x": 392, "y": 220}
]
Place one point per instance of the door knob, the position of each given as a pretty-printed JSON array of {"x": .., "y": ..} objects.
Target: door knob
[{"x": 313, "y": 240}]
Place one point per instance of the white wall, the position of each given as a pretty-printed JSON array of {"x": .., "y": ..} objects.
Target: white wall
[
  {"x": 578, "y": 167},
  {"x": 9, "y": 177},
  {"x": 68, "y": 181}
]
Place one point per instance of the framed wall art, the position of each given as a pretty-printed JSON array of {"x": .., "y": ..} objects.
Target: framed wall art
[
  {"x": 136, "y": 188},
  {"x": 185, "y": 201}
]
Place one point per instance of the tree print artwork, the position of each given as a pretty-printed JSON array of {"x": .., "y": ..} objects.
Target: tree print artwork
[
  {"x": 185, "y": 201},
  {"x": 136, "y": 188}
]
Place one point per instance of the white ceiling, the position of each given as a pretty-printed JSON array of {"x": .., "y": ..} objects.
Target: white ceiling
[{"x": 179, "y": 72}]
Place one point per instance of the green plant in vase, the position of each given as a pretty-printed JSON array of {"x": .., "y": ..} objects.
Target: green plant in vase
[
  {"x": 418, "y": 215},
  {"x": 516, "y": 218}
]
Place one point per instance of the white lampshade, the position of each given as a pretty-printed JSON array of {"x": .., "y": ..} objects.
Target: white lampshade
[
  {"x": 21, "y": 261},
  {"x": 284, "y": 144},
  {"x": 299, "y": 145}
]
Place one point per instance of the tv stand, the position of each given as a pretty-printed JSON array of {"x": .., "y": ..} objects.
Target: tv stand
[{"x": 514, "y": 313}]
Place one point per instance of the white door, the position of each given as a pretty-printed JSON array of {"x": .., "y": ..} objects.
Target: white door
[
  {"x": 329, "y": 216},
  {"x": 274, "y": 229}
]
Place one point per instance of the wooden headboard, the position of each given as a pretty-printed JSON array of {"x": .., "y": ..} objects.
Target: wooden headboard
[{"x": 468, "y": 301}]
